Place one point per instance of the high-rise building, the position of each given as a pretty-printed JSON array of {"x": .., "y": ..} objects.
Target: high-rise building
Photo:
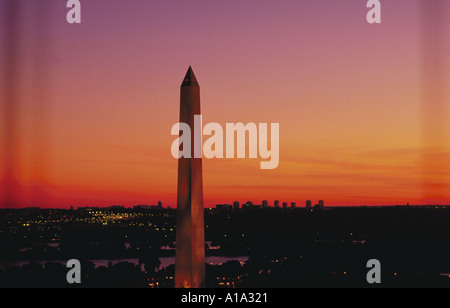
[
  {"x": 292, "y": 205},
  {"x": 276, "y": 203},
  {"x": 236, "y": 205},
  {"x": 285, "y": 205},
  {"x": 264, "y": 203},
  {"x": 308, "y": 204},
  {"x": 190, "y": 234},
  {"x": 319, "y": 206}
]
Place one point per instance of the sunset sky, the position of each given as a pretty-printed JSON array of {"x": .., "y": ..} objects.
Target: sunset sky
[{"x": 360, "y": 121}]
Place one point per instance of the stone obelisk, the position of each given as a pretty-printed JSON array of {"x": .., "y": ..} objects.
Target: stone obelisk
[{"x": 190, "y": 241}]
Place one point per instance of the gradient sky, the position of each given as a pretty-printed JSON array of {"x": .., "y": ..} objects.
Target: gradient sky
[{"x": 96, "y": 101}]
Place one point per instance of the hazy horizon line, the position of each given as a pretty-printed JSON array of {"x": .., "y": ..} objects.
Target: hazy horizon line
[{"x": 273, "y": 207}]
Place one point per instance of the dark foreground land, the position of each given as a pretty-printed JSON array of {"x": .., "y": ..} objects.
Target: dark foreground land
[{"x": 297, "y": 247}]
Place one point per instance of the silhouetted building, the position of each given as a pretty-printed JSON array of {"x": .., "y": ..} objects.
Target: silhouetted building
[
  {"x": 285, "y": 205},
  {"x": 264, "y": 203},
  {"x": 223, "y": 206},
  {"x": 236, "y": 205},
  {"x": 276, "y": 203},
  {"x": 319, "y": 206},
  {"x": 247, "y": 205},
  {"x": 292, "y": 205},
  {"x": 308, "y": 204}
]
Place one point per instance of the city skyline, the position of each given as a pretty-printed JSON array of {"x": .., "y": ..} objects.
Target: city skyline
[
  {"x": 94, "y": 128},
  {"x": 282, "y": 247}
]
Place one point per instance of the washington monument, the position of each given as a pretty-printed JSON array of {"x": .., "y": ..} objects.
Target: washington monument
[{"x": 190, "y": 241}]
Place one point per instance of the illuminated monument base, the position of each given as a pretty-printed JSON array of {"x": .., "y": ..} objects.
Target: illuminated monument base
[{"x": 190, "y": 242}]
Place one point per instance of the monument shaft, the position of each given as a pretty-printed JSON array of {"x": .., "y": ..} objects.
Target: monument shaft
[{"x": 190, "y": 241}]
